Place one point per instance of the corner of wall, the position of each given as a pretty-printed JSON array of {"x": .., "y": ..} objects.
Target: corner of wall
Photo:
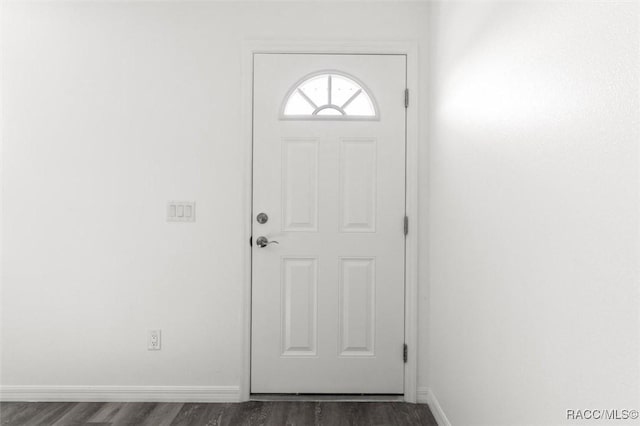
[{"x": 426, "y": 396}]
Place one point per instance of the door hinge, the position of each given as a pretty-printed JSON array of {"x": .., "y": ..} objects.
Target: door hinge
[
  {"x": 251, "y": 241},
  {"x": 405, "y": 352},
  {"x": 406, "y": 98},
  {"x": 406, "y": 225}
]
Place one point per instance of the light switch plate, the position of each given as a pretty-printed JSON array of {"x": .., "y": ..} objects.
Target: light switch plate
[{"x": 181, "y": 211}]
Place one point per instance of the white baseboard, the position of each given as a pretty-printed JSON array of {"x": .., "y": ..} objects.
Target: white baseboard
[
  {"x": 121, "y": 393},
  {"x": 426, "y": 396}
]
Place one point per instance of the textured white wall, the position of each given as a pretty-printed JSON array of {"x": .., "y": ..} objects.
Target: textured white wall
[
  {"x": 534, "y": 131},
  {"x": 111, "y": 109}
]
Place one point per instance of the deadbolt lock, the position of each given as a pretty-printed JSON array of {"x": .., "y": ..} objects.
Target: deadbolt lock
[{"x": 262, "y": 218}]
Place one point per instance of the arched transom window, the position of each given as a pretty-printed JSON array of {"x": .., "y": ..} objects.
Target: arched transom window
[{"x": 329, "y": 96}]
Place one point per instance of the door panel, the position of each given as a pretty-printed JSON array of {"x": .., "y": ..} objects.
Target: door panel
[
  {"x": 328, "y": 298},
  {"x": 357, "y": 306},
  {"x": 299, "y": 306},
  {"x": 358, "y": 185},
  {"x": 300, "y": 185}
]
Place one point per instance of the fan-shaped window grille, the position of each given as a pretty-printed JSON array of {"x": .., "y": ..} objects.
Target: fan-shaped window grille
[{"x": 329, "y": 96}]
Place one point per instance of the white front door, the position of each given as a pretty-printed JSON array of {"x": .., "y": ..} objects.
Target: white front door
[{"x": 329, "y": 177}]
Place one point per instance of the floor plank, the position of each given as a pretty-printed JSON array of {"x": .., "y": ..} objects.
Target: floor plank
[
  {"x": 78, "y": 414},
  {"x": 133, "y": 413},
  {"x": 50, "y": 412},
  {"x": 203, "y": 414},
  {"x": 23, "y": 415},
  {"x": 426, "y": 416},
  {"x": 332, "y": 414},
  {"x": 8, "y": 409},
  {"x": 252, "y": 413},
  {"x": 380, "y": 415},
  {"x": 246, "y": 414},
  {"x": 163, "y": 414},
  {"x": 106, "y": 413}
]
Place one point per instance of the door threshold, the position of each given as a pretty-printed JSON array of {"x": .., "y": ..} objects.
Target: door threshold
[{"x": 346, "y": 397}]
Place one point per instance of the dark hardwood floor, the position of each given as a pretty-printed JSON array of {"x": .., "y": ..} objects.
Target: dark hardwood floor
[{"x": 254, "y": 413}]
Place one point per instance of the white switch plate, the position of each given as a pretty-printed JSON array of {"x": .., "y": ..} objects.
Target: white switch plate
[
  {"x": 181, "y": 211},
  {"x": 154, "y": 340}
]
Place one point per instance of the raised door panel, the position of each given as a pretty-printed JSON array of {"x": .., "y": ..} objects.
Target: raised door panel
[
  {"x": 299, "y": 306},
  {"x": 357, "y": 307},
  {"x": 300, "y": 184},
  {"x": 358, "y": 184}
]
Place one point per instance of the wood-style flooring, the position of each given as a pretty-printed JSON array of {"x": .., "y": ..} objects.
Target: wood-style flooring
[{"x": 254, "y": 413}]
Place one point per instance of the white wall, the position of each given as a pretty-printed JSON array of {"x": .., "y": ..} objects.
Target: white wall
[
  {"x": 534, "y": 130},
  {"x": 110, "y": 110}
]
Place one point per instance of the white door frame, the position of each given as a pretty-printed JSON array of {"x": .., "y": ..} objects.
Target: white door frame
[{"x": 410, "y": 49}]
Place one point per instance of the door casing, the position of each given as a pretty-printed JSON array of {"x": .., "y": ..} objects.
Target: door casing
[{"x": 408, "y": 48}]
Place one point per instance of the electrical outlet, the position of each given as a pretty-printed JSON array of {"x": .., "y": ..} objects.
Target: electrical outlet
[{"x": 153, "y": 343}]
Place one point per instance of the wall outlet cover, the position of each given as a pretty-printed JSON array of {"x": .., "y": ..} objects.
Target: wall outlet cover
[{"x": 154, "y": 340}]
